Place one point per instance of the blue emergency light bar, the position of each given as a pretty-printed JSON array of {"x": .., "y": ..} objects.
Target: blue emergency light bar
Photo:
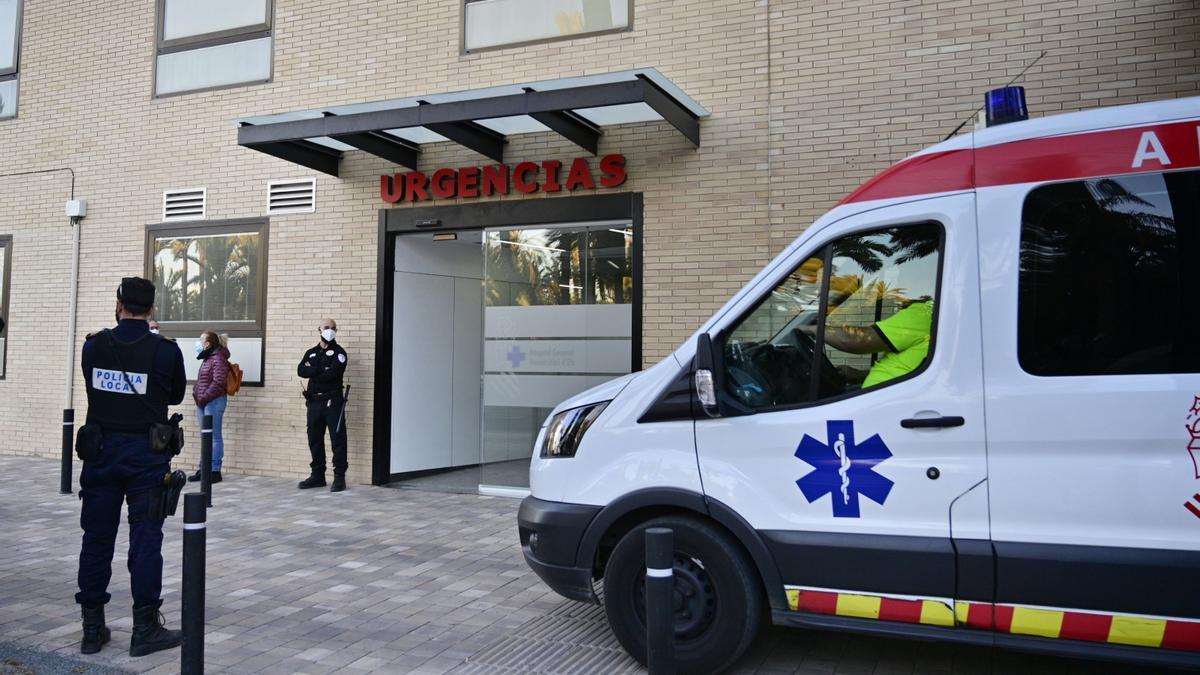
[{"x": 1005, "y": 105}]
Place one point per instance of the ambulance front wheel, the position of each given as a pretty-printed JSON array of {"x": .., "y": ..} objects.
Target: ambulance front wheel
[{"x": 718, "y": 597}]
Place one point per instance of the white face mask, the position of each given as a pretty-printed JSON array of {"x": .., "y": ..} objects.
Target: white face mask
[
  {"x": 328, "y": 334},
  {"x": 154, "y": 330}
]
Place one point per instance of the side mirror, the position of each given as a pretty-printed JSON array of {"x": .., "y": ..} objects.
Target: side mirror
[{"x": 703, "y": 379}]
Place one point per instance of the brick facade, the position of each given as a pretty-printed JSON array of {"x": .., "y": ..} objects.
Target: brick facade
[{"x": 807, "y": 99}]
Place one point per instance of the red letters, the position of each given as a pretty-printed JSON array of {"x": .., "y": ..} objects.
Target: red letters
[
  {"x": 551, "y": 167},
  {"x": 468, "y": 182},
  {"x": 526, "y": 178},
  {"x": 388, "y": 191},
  {"x": 612, "y": 170},
  {"x": 518, "y": 177},
  {"x": 580, "y": 174},
  {"x": 442, "y": 183},
  {"x": 495, "y": 180},
  {"x": 414, "y": 182}
]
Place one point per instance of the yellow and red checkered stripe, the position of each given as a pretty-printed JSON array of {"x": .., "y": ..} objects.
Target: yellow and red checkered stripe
[
  {"x": 932, "y": 612},
  {"x": 1126, "y": 629}
]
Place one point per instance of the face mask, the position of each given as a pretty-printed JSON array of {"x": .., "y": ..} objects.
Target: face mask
[
  {"x": 328, "y": 334},
  {"x": 199, "y": 347},
  {"x": 154, "y": 330}
]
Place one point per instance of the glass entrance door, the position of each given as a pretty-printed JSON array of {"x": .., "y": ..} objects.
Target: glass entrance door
[{"x": 557, "y": 320}]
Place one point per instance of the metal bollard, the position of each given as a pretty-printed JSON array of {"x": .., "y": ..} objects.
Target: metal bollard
[
  {"x": 67, "y": 478},
  {"x": 206, "y": 432},
  {"x": 194, "y": 537},
  {"x": 660, "y": 601}
]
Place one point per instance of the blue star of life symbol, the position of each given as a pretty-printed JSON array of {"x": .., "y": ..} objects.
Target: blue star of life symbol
[
  {"x": 515, "y": 356},
  {"x": 843, "y": 469}
]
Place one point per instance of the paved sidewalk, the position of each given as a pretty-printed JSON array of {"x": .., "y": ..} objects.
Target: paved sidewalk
[{"x": 370, "y": 580}]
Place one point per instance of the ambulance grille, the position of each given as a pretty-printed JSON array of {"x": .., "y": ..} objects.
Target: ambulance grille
[
  {"x": 292, "y": 196},
  {"x": 190, "y": 204}
]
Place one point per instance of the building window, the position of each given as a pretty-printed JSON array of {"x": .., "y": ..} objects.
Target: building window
[
  {"x": 1104, "y": 285},
  {"x": 10, "y": 55},
  {"x": 5, "y": 276},
  {"x": 210, "y": 44},
  {"x": 212, "y": 277},
  {"x": 500, "y": 23},
  {"x": 856, "y": 315}
]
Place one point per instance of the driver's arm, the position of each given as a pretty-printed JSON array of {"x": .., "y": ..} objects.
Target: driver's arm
[{"x": 852, "y": 339}]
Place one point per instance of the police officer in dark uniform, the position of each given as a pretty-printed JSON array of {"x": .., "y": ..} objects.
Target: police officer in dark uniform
[
  {"x": 132, "y": 375},
  {"x": 324, "y": 365}
]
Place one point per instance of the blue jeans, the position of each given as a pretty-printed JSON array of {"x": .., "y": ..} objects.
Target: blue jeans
[
  {"x": 216, "y": 408},
  {"x": 125, "y": 471}
]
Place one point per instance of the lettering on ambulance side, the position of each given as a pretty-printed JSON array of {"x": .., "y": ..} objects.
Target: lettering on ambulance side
[
  {"x": 1193, "y": 427},
  {"x": 844, "y": 469},
  {"x": 114, "y": 381}
]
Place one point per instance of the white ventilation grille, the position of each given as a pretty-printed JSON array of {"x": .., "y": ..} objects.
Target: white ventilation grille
[
  {"x": 292, "y": 196},
  {"x": 187, "y": 204}
]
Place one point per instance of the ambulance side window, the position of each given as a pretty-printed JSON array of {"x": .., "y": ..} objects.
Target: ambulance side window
[
  {"x": 1106, "y": 279},
  {"x": 857, "y": 314}
]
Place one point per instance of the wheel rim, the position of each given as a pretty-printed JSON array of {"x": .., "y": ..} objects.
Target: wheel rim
[{"x": 694, "y": 597}]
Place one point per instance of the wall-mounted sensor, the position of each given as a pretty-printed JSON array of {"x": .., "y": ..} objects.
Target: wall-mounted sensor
[{"x": 77, "y": 208}]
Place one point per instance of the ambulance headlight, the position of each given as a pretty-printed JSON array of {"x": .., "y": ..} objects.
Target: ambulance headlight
[{"x": 566, "y": 430}]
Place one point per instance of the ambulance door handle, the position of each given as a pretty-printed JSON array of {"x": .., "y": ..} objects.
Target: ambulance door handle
[{"x": 932, "y": 422}]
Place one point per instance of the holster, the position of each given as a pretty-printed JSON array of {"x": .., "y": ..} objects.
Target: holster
[
  {"x": 87, "y": 442},
  {"x": 167, "y": 438},
  {"x": 164, "y": 498}
]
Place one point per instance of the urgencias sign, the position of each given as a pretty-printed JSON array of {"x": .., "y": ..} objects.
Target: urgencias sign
[{"x": 500, "y": 179}]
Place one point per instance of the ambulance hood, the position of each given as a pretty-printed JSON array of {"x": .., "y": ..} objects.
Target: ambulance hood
[{"x": 602, "y": 392}]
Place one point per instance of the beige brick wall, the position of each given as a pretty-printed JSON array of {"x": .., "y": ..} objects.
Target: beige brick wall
[{"x": 807, "y": 100}]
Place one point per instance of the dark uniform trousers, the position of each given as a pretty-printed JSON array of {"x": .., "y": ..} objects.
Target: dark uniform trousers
[
  {"x": 325, "y": 414},
  {"x": 126, "y": 471}
]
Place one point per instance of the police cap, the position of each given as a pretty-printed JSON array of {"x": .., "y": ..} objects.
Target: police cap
[{"x": 136, "y": 293}]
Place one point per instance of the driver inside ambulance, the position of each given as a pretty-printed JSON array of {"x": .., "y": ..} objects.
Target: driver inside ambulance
[{"x": 902, "y": 339}]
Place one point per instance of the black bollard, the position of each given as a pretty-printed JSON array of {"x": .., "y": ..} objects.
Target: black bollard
[
  {"x": 206, "y": 432},
  {"x": 66, "y": 478},
  {"x": 660, "y": 601},
  {"x": 194, "y": 537}
]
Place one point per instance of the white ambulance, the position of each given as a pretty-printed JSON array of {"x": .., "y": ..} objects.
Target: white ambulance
[{"x": 963, "y": 405}]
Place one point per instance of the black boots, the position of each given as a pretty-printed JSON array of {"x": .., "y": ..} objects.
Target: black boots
[
  {"x": 194, "y": 478},
  {"x": 149, "y": 634},
  {"x": 214, "y": 477},
  {"x": 95, "y": 633},
  {"x": 314, "y": 480},
  {"x": 339, "y": 482}
]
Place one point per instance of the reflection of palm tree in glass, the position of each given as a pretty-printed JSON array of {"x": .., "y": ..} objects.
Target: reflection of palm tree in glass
[
  {"x": 1080, "y": 226},
  {"x": 528, "y": 267},
  {"x": 557, "y": 267},
  {"x": 208, "y": 278},
  {"x": 609, "y": 257}
]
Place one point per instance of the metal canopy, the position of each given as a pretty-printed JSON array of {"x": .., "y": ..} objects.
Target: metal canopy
[{"x": 480, "y": 120}]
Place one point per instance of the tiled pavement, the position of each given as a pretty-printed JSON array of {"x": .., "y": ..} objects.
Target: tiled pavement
[{"x": 372, "y": 580}]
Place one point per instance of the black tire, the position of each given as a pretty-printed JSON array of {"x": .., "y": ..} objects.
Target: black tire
[{"x": 723, "y": 583}]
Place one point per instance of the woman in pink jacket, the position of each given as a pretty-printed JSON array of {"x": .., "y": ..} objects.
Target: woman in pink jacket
[{"x": 209, "y": 393}]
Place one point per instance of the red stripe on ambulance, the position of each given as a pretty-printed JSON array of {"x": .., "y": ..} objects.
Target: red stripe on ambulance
[
  {"x": 1099, "y": 153},
  {"x": 1091, "y": 627}
]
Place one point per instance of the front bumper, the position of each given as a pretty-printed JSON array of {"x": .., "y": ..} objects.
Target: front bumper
[{"x": 550, "y": 535}]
